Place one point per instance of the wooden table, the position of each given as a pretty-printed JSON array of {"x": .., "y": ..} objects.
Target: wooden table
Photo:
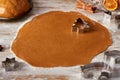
[{"x": 8, "y": 31}]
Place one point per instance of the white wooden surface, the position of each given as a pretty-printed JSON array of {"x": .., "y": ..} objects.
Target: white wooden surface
[{"x": 9, "y": 29}]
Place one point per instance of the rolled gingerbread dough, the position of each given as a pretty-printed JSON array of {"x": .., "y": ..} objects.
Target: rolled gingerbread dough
[{"x": 48, "y": 41}]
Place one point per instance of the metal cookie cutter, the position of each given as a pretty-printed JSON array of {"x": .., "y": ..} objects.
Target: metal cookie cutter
[
  {"x": 10, "y": 64},
  {"x": 80, "y": 26},
  {"x": 93, "y": 69},
  {"x": 112, "y": 58},
  {"x": 104, "y": 76}
]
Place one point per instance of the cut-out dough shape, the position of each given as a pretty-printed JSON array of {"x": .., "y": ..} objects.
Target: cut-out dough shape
[{"x": 48, "y": 41}]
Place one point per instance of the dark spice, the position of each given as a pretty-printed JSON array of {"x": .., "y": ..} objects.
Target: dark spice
[{"x": 1, "y": 48}]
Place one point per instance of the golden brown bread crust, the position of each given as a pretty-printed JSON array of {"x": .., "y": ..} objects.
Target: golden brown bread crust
[{"x": 13, "y": 8}]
